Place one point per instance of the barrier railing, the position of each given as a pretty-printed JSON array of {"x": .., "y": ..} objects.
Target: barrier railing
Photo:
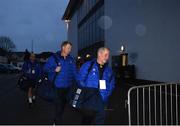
[{"x": 157, "y": 104}]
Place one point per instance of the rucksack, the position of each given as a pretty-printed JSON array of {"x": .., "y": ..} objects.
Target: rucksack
[
  {"x": 46, "y": 87},
  {"x": 23, "y": 83}
]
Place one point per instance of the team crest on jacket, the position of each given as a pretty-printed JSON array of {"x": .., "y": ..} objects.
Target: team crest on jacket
[{"x": 59, "y": 64}]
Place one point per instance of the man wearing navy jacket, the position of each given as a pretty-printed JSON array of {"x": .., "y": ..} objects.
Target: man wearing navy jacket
[
  {"x": 100, "y": 77},
  {"x": 32, "y": 70},
  {"x": 66, "y": 73}
]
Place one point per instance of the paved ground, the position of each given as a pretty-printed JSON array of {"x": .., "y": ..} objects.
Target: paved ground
[{"x": 14, "y": 109}]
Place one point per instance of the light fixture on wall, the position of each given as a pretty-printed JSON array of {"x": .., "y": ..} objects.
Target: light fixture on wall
[
  {"x": 124, "y": 56},
  {"x": 67, "y": 23},
  {"x": 122, "y": 49}
]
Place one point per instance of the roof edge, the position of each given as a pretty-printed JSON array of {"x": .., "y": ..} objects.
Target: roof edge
[{"x": 71, "y": 8}]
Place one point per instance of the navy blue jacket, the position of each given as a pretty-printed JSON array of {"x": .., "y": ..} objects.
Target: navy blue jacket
[
  {"x": 31, "y": 70},
  {"x": 92, "y": 80},
  {"x": 68, "y": 72}
]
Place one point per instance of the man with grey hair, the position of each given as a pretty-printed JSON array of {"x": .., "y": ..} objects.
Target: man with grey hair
[{"x": 96, "y": 74}]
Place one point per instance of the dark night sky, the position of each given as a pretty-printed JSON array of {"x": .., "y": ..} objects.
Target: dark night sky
[{"x": 37, "y": 20}]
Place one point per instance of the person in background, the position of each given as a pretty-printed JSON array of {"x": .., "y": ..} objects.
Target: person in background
[
  {"x": 32, "y": 71},
  {"x": 26, "y": 55},
  {"x": 100, "y": 77},
  {"x": 65, "y": 71}
]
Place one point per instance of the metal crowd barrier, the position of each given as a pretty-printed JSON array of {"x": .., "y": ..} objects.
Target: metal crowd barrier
[{"x": 157, "y": 104}]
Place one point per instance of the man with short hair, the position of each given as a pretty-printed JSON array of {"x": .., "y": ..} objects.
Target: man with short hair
[
  {"x": 66, "y": 71},
  {"x": 100, "y": 77}
]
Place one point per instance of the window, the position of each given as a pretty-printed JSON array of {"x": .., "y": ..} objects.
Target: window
[
  {"x": 89, "y": 31},
  {"x": 94, "y": 32}
]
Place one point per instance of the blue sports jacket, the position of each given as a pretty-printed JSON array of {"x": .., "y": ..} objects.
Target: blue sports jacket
[
  {"x": 92, "y": 79},
  {"x": 68, "y": 73},
  {"x": 31, "y": 70}
]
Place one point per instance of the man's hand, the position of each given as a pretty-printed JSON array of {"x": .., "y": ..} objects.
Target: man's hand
[{"x": 58, "y": 69}]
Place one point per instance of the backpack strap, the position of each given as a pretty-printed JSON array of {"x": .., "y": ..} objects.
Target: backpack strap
[
  {"x": 56, "y": 59},
  {"x": 57, "y": 63},
  {"x": 89, "y": 69}
]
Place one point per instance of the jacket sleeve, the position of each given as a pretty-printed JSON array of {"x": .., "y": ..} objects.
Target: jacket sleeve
[
  {"x": 75, "y": 71},
  {"x": 50, "y": 65},
  {"x": 111, "y": 84},
  {"x": 83, "y": 74}
]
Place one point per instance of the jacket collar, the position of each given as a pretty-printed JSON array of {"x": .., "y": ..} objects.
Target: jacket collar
[
  {"x": 95, "y": 61},
  {"x": 59, "y": 55}
]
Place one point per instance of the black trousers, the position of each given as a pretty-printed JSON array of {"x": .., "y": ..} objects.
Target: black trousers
[
  {"x": 60, "y": 104},
  {"x": 97, "y": 118}
]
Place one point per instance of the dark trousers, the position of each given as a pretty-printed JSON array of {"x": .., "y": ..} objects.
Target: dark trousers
[
  {"x": 60, "y": 104},
  {"x": 97, "y": 118}
]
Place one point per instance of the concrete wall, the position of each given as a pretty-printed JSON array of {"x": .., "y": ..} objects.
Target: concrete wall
[
  {"x": 73, "y": 34},
  {"x": 150, "y": 30}
]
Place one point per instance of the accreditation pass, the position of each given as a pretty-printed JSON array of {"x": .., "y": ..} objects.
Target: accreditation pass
[{"x": 102, "y": 84}]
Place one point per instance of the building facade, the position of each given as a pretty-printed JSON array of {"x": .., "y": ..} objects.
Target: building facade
[
  {"x": 149, "y": 30},
  {"x": 83, "y": 28}
]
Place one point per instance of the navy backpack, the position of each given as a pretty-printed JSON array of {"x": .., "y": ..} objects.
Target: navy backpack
[
  {"x": 46, "y": 88},
  {"x": 23, "y": 83}
]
